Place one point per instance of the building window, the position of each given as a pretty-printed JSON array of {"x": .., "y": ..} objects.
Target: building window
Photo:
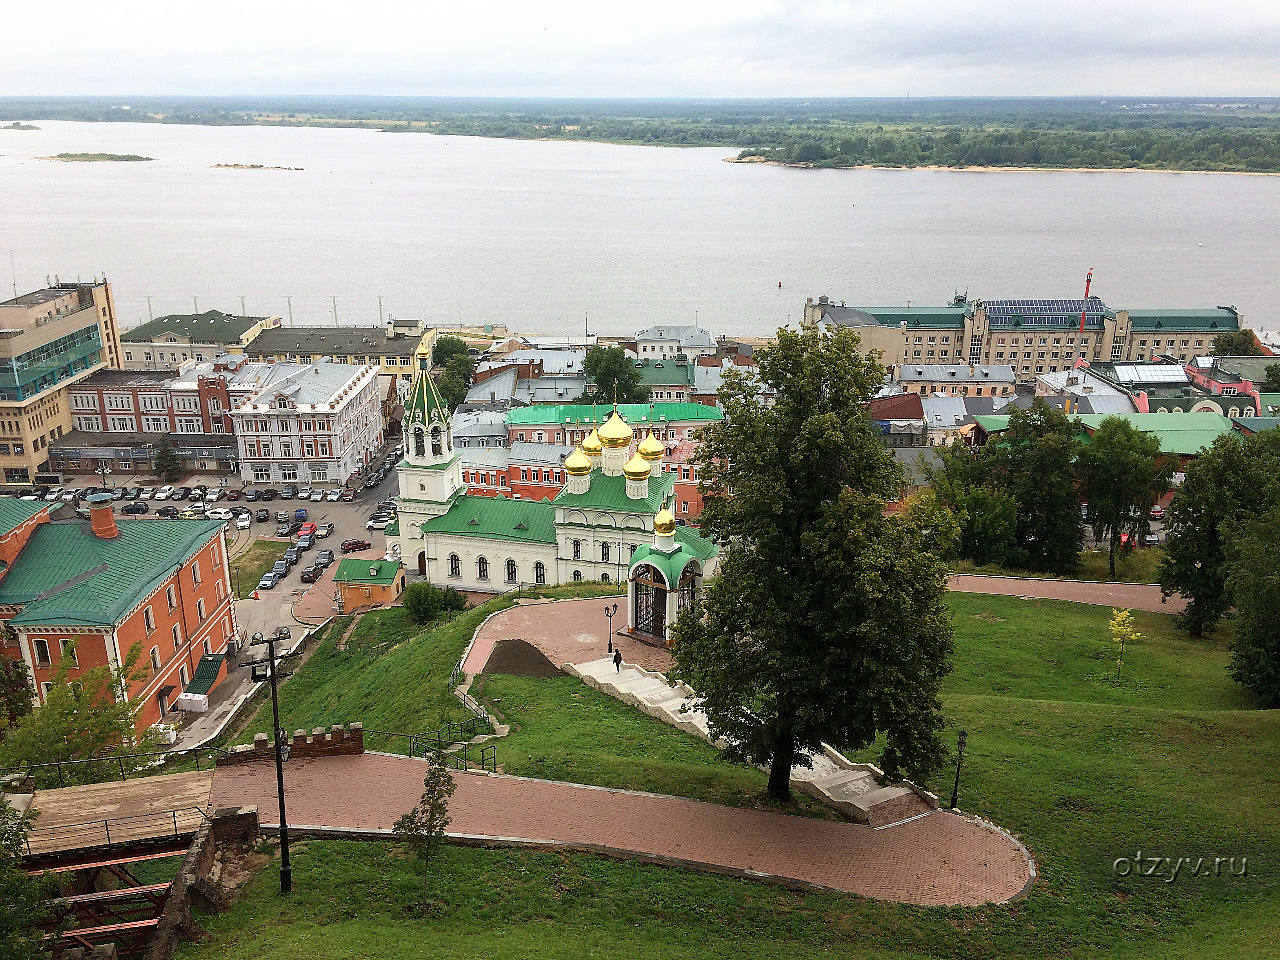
[
  {"x": 148, "y": 619},
  {"x": 604, "y": 577},
  {"x": 195, "y": 573},
  {"x": 177, "y": 637},
  {"x": 155, "y": 659},
  {"x": 182, "y": 674},
  {"x": 511, "y": 571},
  {"x": 68, "y": 648},
  {"x": 482, "y": 568},
  {"x": 41, "y": 648},
  {"x": 261, "y": 474},
  {"x": 604, "y": 552},
  {"x": 577, "y": 576},
  {"x": 170, "y": 596},
  {"x": 577, "y": 549},
  {"x": 200, "y": 608},
  {"x": 539, "y": 572}
]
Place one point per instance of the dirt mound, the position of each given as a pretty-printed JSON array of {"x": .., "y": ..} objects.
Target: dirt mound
[{"x": 519, "y": 658}]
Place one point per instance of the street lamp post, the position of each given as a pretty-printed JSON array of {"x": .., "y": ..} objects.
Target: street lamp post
[
  {"x": 286, "y": 872},
  {"x": 610, "y": 612},
  {"x": 955, "y": 790}
]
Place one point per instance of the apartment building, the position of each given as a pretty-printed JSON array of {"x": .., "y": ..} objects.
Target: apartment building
[
  {"x": 49, "y": 339},
  {"x": 166, "y": 343},
  {"x": 390, "y": 348},
  {"x": 1031, "y": 336},
  {"x": 309, "y": 423}
]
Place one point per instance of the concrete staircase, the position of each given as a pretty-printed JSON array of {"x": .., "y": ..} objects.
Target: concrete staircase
[{"x": 856, "y": 789}]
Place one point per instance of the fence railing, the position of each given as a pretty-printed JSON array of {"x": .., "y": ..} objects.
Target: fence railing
[
  {"x": 114, "y": 831},
  {"x": 452, "y": 741},
  {"x": 64, "y": 773}
]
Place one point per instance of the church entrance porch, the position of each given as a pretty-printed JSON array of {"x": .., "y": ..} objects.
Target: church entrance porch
[{"x": 649, "y": 603}]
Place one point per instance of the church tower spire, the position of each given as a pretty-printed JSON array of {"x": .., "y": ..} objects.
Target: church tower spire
[{"x": 427, "y": 431}]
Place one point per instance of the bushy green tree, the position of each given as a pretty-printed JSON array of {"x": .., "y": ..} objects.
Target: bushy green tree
[
  {"x": 426, "y": 602},
  {"x": 423, "y": 827},
  {"x": 25, "y": 900},
  {"x": 989, "y": 528},
  {"x": 609, "y": 368},
  {"x": 825, "y": 621},
  {"x": 446, "y": 348},
  {"x": 1121, "y": 475},
  {"x": 456, "y": 380},
  {"x": 1236, "y": 343},
  {"x": 166, "y": 463},
  {"x": 1237, "y": 477},
  {"x": 1253, "y": 580},
  {"x": 82, "y": 717},
  {"x": 1272, "y": 382},
  {"x": 15, "y": 691}
]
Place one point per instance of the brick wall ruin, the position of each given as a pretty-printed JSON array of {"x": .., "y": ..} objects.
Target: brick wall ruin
[{"x": 338, "y": 741}]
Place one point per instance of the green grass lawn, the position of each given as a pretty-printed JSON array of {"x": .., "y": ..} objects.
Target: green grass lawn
[
  {"x": 1172, "y": 760},
  {"x": 1137, "y": 566},
  {"x": 390, "y": 626},
  {"x": 247, "y": 568}
]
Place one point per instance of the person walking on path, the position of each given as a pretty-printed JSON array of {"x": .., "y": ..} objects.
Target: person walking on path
[{"x": 617, "y": 660}]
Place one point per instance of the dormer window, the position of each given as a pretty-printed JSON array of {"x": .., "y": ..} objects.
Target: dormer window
[{"x": 282, "y": 403}]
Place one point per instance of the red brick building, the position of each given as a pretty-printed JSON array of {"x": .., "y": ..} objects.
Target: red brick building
[{"x": 91, "y": 591}]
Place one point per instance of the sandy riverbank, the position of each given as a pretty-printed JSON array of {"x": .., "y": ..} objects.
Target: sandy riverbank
[{"x": 871, "y": 166}]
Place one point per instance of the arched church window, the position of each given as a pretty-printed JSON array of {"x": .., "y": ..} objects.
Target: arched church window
[
  {"x": 604, "y": 552},
  {"x": 455, "y": 566},
  {"x": 511, "y": 571},
  {"x": 436, "y": 447},
  {"x": 577, "y": 576},
  {"x": 482, "y": 568},
  {"x": 577, "y": 549},
  {"x": 604, "y": 578},
  {"x": 419, "y": 442},
  {"x": 539, "y": 572}
]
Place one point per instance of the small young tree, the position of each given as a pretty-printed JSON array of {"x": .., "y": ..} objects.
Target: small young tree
[
  {"x": 167, "y": 466},
  {"x": 24, "y": 898},
  {"x": 1253, "y": 579},
  {"x": 423, "y": 827},
  {"x": 424, "y": 602},
  {"x": 1123, "y": 633}
]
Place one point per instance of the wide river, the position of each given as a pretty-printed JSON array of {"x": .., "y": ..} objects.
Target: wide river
[{"x": 542, "y": 235}]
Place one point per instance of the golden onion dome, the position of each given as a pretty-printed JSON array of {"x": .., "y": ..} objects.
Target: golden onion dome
[
  {"x": 591, "y": 445},
  {"x": 651, "y": 448},
  {"x": 637, "y": 468},
  {"x": 664, "y": 523},
  {"x": 616, "y": 432},
  {"x": 578, "y": 464}
]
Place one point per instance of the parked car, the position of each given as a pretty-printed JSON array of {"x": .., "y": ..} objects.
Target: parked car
[
  {"x": 311, "y": 574},
  {"x": 234, "y": 495},
  {"x": 269, "y": 494},
  {"x": 347, "y": 495},
  {"x": 284, "y": 529},
  {"x": 324, "y": 558},
  {"x": 305, "y": 542},
  {"x": 1157, "y": 512},
  {"x": 333, "y": 495},
  {"x": 317, "y": 496},
  {"x": 350, "y": 546},
  {"x": 292, "y": 555},
  {"x": 300, "y": 513},
  {"x": 182, "y": 493},
  {"x": 304, "y": 493},
  {"x": 262, "y": 515},
  {"x": 164, "y": 493},
  {"x": 324, "y": 529},
  {"x": 251, "y": 496},
  {"x": 280, "y": 568},
  {"x": 214, "y": 495},
  {"x": 135, "y": 493},
  {"x": 219, "y": 513},
  {"x": 1151, "y": 540},
  {"x": 146, "y": 493},
  {"x": 190, "y": 514},
  {"x": 377, "y": 522},
  {"x": 118, "y": 493},
  {"x": 268, "y": 581},
  {"x": 307, "y": 528},
  {"x": 168, "y": 512},
  {"x": 199, "y": 506},
  {"x": 134, "y": 509},
  {"x": 288, "y": 493},
  {"x": 68, "y": 495},
  {"x": 244, "y": 521}
]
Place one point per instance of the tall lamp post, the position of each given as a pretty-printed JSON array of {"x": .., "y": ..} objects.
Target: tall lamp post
[
  {"x": 611, "y": 612},
  {"x": 961, "y": 740},
  {"x": 286, "y": 872}
]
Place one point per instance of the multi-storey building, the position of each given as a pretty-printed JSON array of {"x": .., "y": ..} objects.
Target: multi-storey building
[
  {"x": 960, "y": 379},
  {"x": 668, "y": 340},
  {"x": 1032, "y": 336},
  {"x": 391, "y": 349},
  {"x": 166, "y": 343},
  {"x": 49, "y": 339},
  {"x": 93, "y": 594},
  {"x": 570, "y": 423},
  {"x": 309, "y": 423}
]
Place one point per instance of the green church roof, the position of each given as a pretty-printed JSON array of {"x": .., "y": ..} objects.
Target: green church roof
[
  {"x": 553, "y": 414},
  {"x": 690, "y": 546},
  {"x": 355, "y": 570},
  {"x": 67, "y": 575},
  {"x": 497, "y": 518},
  {"x": 610, "y": 493},
  {"x": 425, "y": 400}
]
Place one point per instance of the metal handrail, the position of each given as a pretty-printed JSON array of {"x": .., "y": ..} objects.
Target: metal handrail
[
  {"x": 82, "y": 827},
  {"x": 161, "y": 757}
]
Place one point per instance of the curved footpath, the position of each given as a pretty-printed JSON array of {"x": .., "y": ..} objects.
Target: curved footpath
[
  {"x": 1135, "y": 596},
  {"x": 938, "y": 859}
]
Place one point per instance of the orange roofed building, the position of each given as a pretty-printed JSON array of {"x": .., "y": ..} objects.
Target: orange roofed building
[{"x": 92, "y": 590}]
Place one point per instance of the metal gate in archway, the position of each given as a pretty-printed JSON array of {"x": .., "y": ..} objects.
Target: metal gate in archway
[{"x": 650, "y": 612}]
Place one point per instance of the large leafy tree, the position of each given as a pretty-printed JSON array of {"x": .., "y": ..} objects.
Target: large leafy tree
[
  {"x": 446, "y": 348},
  {"x": 1272, "y": 383},
  {"x": 83, "y": 716},
  {"x": 167, "y": 465},
  {"x": 1253, "y": 579},
  {"x": 1237, "y": 477},
  {"x": 15, "y": 691},
  {"x": 610, "y": 369},
  {"x": 1236, "y": 343},
  {"x": 826, "y": 620},
  {"x": 1034, "y": 463},
  {"x": 456, "y": 380},
  {"x": 1121, "y": 475},
  {"x": 25, "y": 904},
  {"x": 987, "y": 518}
]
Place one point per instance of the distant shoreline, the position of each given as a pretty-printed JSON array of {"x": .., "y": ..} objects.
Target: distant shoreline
[
  {"x": 96, "y": 157},
  {"x": 248, "y": 166},
  {"x": 965, "y": 169}
]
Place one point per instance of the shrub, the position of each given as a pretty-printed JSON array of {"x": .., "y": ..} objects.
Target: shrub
[{"x": 426, "y": 602}]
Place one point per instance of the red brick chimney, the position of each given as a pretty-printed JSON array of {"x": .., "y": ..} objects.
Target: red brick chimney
[{"x": 102, "y": 521}]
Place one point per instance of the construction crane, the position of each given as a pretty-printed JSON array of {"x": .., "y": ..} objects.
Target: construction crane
[{"x": 1084, "y": 309}]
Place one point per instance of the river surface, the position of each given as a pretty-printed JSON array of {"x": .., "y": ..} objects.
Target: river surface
[{"x": 542, "y": 235}]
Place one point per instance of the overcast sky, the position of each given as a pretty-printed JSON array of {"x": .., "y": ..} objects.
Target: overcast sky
[{"x": 668, "y": 48}]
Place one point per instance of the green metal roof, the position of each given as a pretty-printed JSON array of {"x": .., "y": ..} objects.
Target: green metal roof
[
  {"x": 1268, "y": 404},
  {"x": 636, "y": 414},
  {"x": 1185, "y": 434},
  {"x": 425, "y": 401},
  {"x": 67, "y": 575},
  {"x": 1253, "y": 369},
  {"x": 355, "y": 570},
  {"x": 212, "y": 326},
  {"x": 663, "y": 373},
  {"x": 610, "y": 493},
  {"x": 690, "y": 546},
  {"x": 497, "y": 518},
  {"x": 392, "y": 529},
  {"x": 14, "y": 512},
  {"x": 206, "y": 674},
  {"x": 940, "y": 317},
  {"x": 1216, "y": 319}
]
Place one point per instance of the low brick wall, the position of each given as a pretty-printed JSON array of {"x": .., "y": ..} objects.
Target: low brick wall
[{"x": 337, "y": 741}]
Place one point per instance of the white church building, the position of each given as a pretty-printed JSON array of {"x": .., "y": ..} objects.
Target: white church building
[{"x": 612, "y": 521}]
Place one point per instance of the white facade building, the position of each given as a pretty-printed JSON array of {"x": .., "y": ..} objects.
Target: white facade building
[
  {"x": 667, "y": 341},
  {"x": 310, "y": 423}
]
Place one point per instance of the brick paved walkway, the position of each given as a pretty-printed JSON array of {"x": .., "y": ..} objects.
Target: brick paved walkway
[
  {"x": 939, "y": 859},
  {"x": 1137, "y": 596}
]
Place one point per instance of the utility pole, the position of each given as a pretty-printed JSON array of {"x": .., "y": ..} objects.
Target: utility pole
[
  {"x": 381, "y": 318},
  {"x": 335, "y": 311},
  {"x": 13, "y": 272},
  {"x": 243, "y": 311},
  {"x": 195, "y": 303},
  {"x": 150, "y": 315},
  {"x": 286, "y": 871},
  {"x": 289, "y": 300}
]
